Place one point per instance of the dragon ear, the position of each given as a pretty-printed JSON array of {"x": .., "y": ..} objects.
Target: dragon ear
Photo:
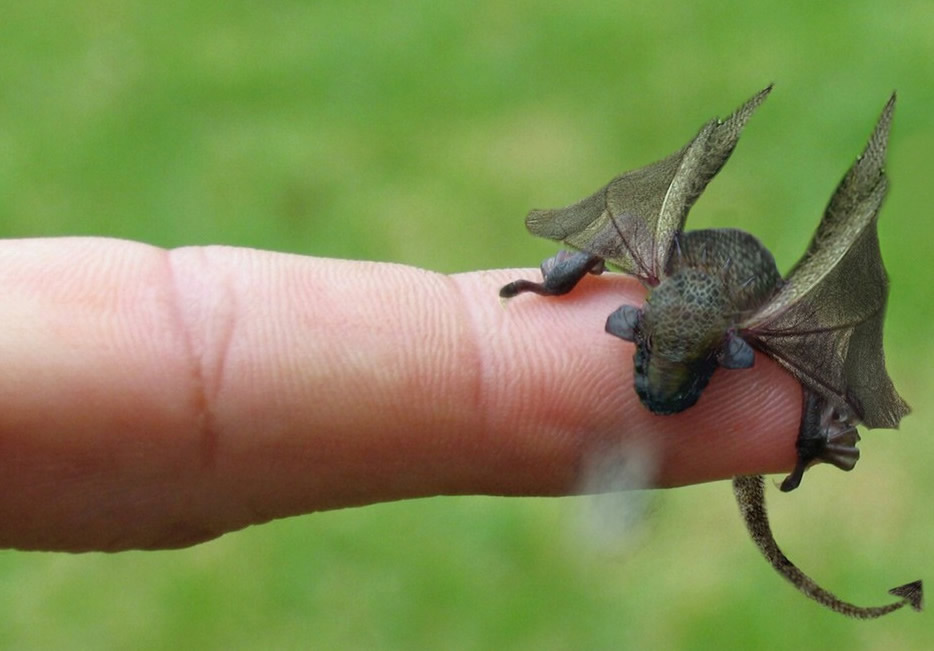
[
  {"x": 624, "y": 322},
  {"x": 736, "y": 353}
]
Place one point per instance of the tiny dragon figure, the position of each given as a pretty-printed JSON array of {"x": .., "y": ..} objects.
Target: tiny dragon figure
[{"x": 714, "y": 295}]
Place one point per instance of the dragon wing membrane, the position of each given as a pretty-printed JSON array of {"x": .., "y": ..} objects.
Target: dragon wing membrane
[
  {"x": 825, "y": 324},
  {"x": 633, "y": 221},
  {"x": 715, "y": 293}
]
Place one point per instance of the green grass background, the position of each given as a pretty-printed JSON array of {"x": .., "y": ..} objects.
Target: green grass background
[{"x": 422, "y": 132}]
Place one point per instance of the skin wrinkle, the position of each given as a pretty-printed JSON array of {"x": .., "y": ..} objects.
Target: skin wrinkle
[
  {"x": 186, "y": 519},
  {"x": 453, "y": 379},
  {"x": 377, "y": 358},
  {"x": 100, "y": 445},
  {"x": 81, "y": 451},
  {"x": 265, "y": 373},
  {"x": 478, "y": 367},
  {"x": 195, "y": 354}
]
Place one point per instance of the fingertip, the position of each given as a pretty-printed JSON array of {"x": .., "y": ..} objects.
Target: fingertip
[{"x": 562, "y": 388}]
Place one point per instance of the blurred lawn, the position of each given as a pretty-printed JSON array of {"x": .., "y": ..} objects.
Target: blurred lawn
[{"x": 421, "y": 133}]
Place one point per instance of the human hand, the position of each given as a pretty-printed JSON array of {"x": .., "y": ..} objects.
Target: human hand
[{"x": 155, "y": 399}]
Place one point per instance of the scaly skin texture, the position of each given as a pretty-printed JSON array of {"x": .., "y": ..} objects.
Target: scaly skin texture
[
  {"x": 714, "y": 279},
  {"x": 751, "y": 500},
  {"x": 714, "y": 295}
]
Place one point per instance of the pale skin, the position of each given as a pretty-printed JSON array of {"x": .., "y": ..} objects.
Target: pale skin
[{"x": 156, "y": 399}]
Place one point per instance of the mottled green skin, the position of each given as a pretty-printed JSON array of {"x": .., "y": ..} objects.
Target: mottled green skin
[
  {"x": 714, "y": 280},
  {"x": 715, "y": 295}
]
